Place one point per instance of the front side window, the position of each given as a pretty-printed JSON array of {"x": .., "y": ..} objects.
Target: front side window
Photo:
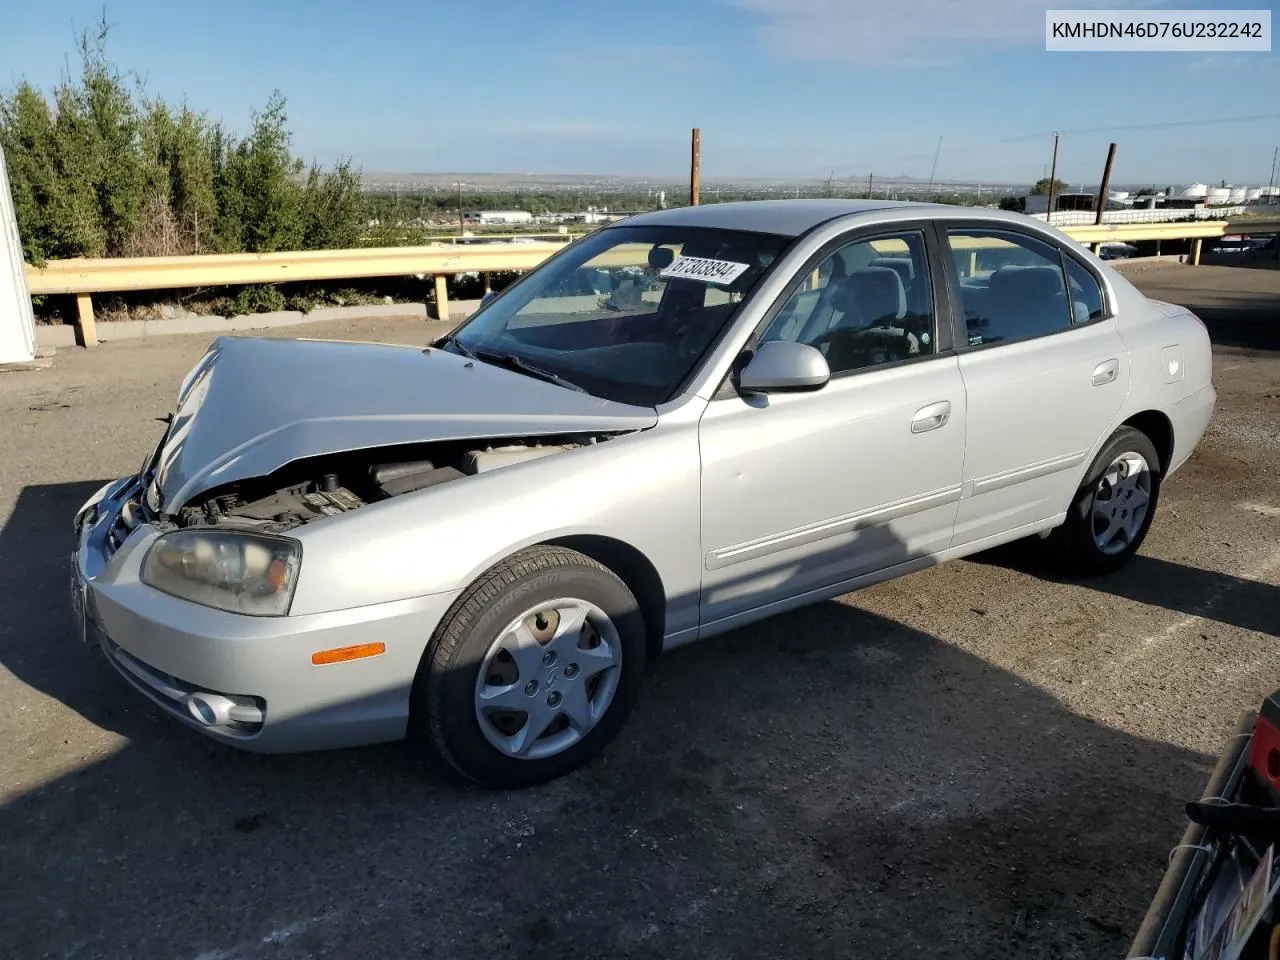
[
  {"x": 627, "y": 313},
  {"x": 868, "y": 303},
  {"x": 1012, "y": 286}
]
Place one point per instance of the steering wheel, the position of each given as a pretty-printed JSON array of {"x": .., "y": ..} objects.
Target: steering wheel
[
  {"x": 684, "y": 339},
  {"x": 855, "y": 342}
]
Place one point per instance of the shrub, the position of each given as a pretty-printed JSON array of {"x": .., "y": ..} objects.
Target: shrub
[
  {"x": 258, "y": 298},
  {"x": 100, "y": 169}
]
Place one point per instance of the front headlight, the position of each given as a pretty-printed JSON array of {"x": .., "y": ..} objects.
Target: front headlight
[{"x": 239, "y": 572}]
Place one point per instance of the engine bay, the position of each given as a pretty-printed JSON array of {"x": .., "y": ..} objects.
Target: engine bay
[{"x": 310, "y": 490}]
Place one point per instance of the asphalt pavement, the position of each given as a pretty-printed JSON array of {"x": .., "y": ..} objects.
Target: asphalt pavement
[{"x": 974, "y": 761}]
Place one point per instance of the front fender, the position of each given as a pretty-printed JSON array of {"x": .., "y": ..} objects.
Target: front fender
[{"x": 641, "y": 489}]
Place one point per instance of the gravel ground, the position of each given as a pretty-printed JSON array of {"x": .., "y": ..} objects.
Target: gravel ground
[{"x": 974, "y": 761}]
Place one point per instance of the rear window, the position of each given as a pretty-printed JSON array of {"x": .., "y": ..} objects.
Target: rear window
[{"x": 1086, "y": 294}]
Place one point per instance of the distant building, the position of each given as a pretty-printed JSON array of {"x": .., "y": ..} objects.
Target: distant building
[
  {"x": 494, "y": 217},
  {"x": 590, "y": 215},
  {"x": 1160, "y": 201},
  {"x": 1039, "y": 202},
  {"x": 1216, "y": 196}
]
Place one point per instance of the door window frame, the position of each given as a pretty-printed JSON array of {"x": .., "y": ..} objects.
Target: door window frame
[
  {"x": 960, "y": 327},
  {"x": 943, "y": 310}
]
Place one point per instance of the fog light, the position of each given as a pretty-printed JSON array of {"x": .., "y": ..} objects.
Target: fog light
[{"x": 209, "y": 709}]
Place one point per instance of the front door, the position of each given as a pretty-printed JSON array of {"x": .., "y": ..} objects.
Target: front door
[{"x": 802, "y": 492}]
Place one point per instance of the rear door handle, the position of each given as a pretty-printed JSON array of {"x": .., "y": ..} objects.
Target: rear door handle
[
  {"x": 1105, "y": 372},
  {"x": 932, "y": 417}
]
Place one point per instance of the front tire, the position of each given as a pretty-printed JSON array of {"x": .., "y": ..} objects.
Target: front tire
[
  {"x": 532, "y": 671},
  {"x": 1113, "y": 509}
]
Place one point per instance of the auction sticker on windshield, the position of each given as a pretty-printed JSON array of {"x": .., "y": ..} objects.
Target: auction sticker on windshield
[{"x": 708, "y": 271}]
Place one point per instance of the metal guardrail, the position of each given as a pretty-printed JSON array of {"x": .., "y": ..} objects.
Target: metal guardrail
[
  {"x": 1085, "y": 218},
  {"x": 1246, "y": 227},
  {"x": 163, "y": 273},
  {"x": 83, "y": 277},
  {"x": 1124, "y": 232}
]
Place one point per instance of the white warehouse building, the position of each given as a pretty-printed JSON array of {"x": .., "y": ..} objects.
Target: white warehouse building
[
  {"x": 489, "y": 217},
  {"x": 1230, "y": 195}
]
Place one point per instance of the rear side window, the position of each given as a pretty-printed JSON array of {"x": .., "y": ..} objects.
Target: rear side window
[
  {"x": 1012, "y": 287},
  {"x": 1086, "y": 295}
]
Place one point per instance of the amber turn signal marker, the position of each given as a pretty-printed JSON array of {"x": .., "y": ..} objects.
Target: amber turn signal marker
[{"x": 343, "y": 654}]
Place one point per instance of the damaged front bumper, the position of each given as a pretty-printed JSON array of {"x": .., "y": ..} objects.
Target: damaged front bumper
[{"x": 243, "y": 680}]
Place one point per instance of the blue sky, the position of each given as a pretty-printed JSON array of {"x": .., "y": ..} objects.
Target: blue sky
[{"x": 779, "y": 87}]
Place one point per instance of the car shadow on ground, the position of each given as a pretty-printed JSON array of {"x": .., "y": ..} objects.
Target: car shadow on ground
[
  {"x": 1244, "y": 315},
  {"x": 1234, "y": 322},
  {"x": 1190, "y": 591},
  {"x": 827, "y": 783},
  {"x": 1263, "y": 259}
]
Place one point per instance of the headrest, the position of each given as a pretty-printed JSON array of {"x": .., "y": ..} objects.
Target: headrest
[
  {"x": 870, "y": 294},
  {"x": 906, "y": 269},
  {"x": 1027, "y": 283}
]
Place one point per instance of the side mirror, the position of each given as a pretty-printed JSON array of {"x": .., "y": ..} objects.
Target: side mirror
[
  {"x": 487, "y": 297},
  {"x": 782, "y": 366}
]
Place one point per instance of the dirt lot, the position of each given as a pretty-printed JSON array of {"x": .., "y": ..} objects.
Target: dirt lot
[{"x": 975, "y": 761}]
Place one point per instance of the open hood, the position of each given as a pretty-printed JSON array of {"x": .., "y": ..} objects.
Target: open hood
[{"x": 253, "y": 405}]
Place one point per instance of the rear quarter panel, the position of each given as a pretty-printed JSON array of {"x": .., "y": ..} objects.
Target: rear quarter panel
[{"x": 1171, "y": 363}]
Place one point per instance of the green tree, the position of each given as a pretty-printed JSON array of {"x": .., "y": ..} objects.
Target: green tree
[
  {"x": 75, "y": 166},
  {"x": 259, "y": 194},
  {"x": 335, "y": 212},
  {"x": 99, "y": 169},
  {"x": 180, "y": 211},
  {"x": 27, "y": 137},
  {"x": 1041, "y": 187}
]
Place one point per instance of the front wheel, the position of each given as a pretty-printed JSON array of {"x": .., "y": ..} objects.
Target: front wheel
[
  {"x": 533, "y": 671},
  {"x": 1113, "y": 509}
]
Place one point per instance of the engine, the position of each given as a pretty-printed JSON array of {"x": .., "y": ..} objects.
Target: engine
[{"x": 307, "y": 491}]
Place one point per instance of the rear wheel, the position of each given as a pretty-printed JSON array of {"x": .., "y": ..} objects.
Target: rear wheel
[
  {"x": 1113, "y": 509},
  {"x": 533, "y": 671}
]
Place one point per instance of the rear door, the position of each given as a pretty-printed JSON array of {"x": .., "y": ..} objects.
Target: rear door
[{"x": 1045, "y": 370}]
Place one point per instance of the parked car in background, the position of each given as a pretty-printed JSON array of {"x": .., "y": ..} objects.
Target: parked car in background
[
  {"x": 480, "y": 544},
  {"x": 1117, "y": 251}
]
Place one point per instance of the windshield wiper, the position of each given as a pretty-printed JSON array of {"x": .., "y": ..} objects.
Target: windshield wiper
[
  {"x": 516, "y": 362},
  {"x": 458, "y": 345}
]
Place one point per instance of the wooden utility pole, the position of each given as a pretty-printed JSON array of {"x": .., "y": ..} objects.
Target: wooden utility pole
[
  {"x": 871, "y": 186},
  {"x": 462, "y": 224},
  {"x": 695, "y": 168},
  {"x": 1106, "y": 184},
  {"x": 1053, "y": 176}
]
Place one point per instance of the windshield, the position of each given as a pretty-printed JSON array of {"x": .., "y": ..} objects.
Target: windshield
[{"x": 626, "y": 313}]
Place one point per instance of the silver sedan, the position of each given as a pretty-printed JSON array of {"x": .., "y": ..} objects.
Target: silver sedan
[{"x": 682, "y": 423}]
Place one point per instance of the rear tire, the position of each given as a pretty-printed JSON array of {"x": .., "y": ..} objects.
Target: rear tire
[
  {"x": 533, "y": 670},
  {"x": 1113, "y": 509}
]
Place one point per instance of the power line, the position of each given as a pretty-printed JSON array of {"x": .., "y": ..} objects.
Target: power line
[{"x": 1167, "y": 124}]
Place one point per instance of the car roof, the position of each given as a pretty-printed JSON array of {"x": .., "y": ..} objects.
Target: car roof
[
  {"x": 785, "y": 217},
  {"x": 791, "y": 218}
]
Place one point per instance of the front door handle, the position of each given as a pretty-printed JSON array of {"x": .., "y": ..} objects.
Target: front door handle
[
  {"x": 1105, "y": 372},
  {"x": 932, "y": 417}
]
